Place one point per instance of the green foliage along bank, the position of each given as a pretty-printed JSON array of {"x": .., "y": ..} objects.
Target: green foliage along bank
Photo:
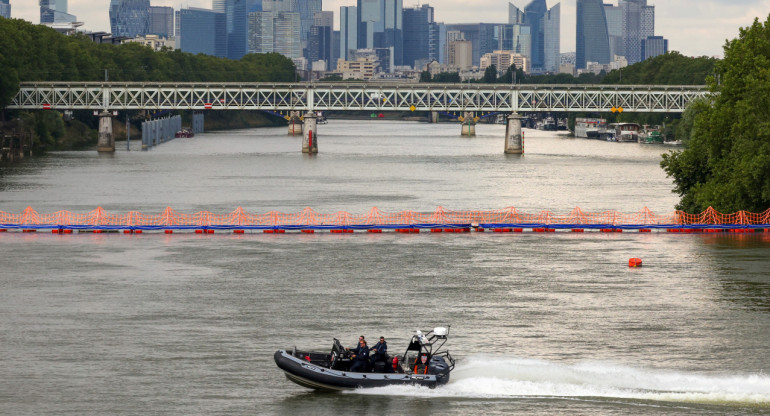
[
  {"x": 37, "y": 53},
  {"x": 726, "y": 163}
]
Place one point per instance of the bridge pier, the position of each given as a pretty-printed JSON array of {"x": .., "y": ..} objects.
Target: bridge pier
[
  {"x": 469, "y": 125},
  {"x": 433, "y": 117},
  {"x": 513, "y": 141},
  {"x": 295, "y": 123},
  {"x": 106, "y": 142},
  {"x": 310, "y": 135}
]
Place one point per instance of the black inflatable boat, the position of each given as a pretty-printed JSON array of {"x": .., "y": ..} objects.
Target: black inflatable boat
[{"x": 424, "y": 364}]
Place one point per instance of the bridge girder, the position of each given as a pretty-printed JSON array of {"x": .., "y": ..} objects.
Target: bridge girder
[{"x": 348, "y": 97}]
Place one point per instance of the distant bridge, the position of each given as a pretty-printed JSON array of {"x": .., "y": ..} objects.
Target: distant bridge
[{"x": 355, "y": 96}]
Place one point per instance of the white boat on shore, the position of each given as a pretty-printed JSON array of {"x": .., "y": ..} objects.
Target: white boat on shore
[
  {"x": 627, "y": 132},
  {"x": 589, "y": 127}
]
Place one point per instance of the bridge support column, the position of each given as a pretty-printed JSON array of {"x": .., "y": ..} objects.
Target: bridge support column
[
  {"x": 106, "y": 142},
  {"x": 433, "y": 117},
  {"x": 469, "y": 125},
  {"x": 513, "y": 141},
  {"x": 310, "y": 135},
  {"x": 295, "y": 124}
]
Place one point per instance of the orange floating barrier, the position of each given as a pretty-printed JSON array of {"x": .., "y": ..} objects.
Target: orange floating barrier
[
  {"x": 169, "y": 231},
  {"x": 578, "y": 230},
  {"x": 198, "y": 231},
  {"x": 97, "y": 231},
  {"x": 374, "y": 231},
  {"x": 55, "y": 231},
  {"x": 67, "y": 231},
  {"x": 634, "y": 262},
  {"x": 3, "y": 230},
  {"x": 645, "y": 230},
  {"x": 127, "y": 231},
  {"x": 436, "y": 230},
  {"x": 138, "y": 232},
  {"x": 29, "y": 231},
  {"x": 238, "y": 232},
  {"x": 308, "y": 231},
  {"x": 207, "y": 231},
  {"x": 518, "y": 230}
]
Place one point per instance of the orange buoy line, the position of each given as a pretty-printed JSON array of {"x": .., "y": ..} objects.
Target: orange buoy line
[{"x": 508, "y": 220}]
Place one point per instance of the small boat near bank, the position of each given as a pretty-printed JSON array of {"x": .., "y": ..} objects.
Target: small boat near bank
[
  {"x": 424, "y": 363},
  {"x": 184, "y": 133}
]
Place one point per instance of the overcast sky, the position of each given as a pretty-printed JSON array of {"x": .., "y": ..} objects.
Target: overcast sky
[{"x": 693, "y": 27}]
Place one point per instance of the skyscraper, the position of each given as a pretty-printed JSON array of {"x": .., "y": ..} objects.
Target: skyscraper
[
  {"x": 319, "y": 43},
  {"x": 654, "y": 46},
  {"x": 203, "y": 31},
  {"x": 272, "y": 31},
  {"x": 307, "y": 10},
  {"x": 380, "y": 25},
  {"x": 348, "y": 31},
  {"x": 533, "y": 16},
  {"x": 419, "y": 35},
  {"x": 55, "y": 11},
  {"x": 544, "y": 29},
  {"x": 638, "y": 25},
  {"x": 552, "y": 39},
  {"x": 162, "y": 21},
  {"x": 614, "y": 16},
  {"x": 130, "y": 18},
  {"x": 286, "y": 38},
  {"x": 5, "y": 9},
  {"x": 237, "y": 28},
  {"x": 593, "y": 43},
  {"x": 261, "y": 32}
]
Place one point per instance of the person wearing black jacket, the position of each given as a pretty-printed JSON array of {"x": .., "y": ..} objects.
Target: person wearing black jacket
[
  {"x": 380, "y": 351},
  {"x": 360, "y": 356}
]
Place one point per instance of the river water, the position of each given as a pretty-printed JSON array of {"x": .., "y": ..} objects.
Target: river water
[{"x": 540, "y": 324}]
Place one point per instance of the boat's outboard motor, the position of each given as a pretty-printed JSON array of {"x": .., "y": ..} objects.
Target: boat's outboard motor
[{"x": 438, "y": 366}]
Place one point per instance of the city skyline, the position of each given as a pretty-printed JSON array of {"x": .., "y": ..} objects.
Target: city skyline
[{"x": 693, "y": 28}]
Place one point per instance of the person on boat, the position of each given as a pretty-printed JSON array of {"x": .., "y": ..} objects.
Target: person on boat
[
  {"x": 380, "y": 351},
  {"x": 360, "y": 356}
]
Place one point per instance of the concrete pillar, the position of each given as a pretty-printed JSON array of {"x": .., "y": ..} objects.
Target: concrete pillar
[
  {"x": 469, "y": 125},
  {"x": 295, "y": 124},
  {"x": 310, "y": 136},
  {"x": 106, "y": 142},
  {"x": 433, "y": 117},
  {"x": 513, "y": 141}
]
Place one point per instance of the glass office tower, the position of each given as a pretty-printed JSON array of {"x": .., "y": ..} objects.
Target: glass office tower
[
  {"x": 592, "y": 39},
  {"x": 5, "y": 9},
  {"x": 381, "y": 25},
  {"x": 55, "y": 11},
  {"x": 348, "y": 31},
  {"x": 130, "y": 18},
  {"x": 419, "y": 34},
  {"x": 162, "y": 21},
  {"x": 203, "y": 31}
]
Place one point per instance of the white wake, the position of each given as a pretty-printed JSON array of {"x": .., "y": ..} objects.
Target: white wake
[{"x": 499, "y": 377}]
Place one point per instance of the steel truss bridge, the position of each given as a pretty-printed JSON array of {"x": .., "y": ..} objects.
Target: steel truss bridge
[{"x": 355, "y": 96}]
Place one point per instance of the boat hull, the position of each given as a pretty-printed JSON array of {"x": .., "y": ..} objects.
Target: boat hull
[{"x": 316, "y": 377}]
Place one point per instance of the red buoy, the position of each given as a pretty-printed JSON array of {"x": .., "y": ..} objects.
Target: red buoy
[{"x": 634, "y": 262}]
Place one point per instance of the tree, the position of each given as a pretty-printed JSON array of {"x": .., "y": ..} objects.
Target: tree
[
  {"x": 490, "y": 75},
  {"x": 726, "y": 164},
  {"x": 425, "y": 76}
]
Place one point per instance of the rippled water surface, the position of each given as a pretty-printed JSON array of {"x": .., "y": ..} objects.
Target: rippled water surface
[{"x": 540, "y": 324}]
